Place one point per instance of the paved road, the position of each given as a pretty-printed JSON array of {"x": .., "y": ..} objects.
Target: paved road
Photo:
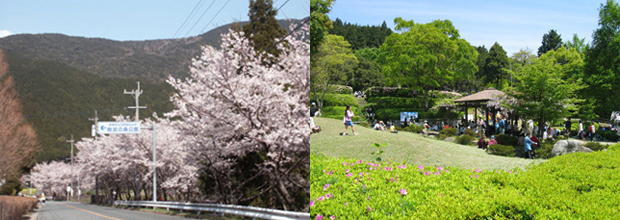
[{"x": 76, "y": 211}]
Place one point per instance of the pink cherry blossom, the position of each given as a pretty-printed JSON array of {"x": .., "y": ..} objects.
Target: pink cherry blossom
[
  {"x": 403, "y": 192},
  {"x": 319, "y": 217},
  {"x": 332, "y": 217}
]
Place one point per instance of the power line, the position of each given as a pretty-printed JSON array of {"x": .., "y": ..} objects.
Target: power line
[
  {"x": 191, "y": 14},
  {"x": 282, "y": 5},
  {"x": 203, "y": 14},
  {"x": 218, "y": 12}
]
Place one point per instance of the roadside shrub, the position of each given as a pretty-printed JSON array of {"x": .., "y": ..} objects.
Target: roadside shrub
[
  {"x": 506, "y": 139},
  {"x": 448, "y": 132},
  {"x": 502, "y": 150},
  {"x": 13, "y": 207},
  {"x": 464, "y": 140},
  {"x": 595, "y": 146}
]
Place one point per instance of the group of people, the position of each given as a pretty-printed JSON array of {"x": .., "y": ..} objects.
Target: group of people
[
  {"x": 359, "y": 94},
  {"x": 383, "y": 127}
]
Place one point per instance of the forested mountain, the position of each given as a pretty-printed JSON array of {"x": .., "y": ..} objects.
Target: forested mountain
[
  {"x": 151, "y": 59},
  {"x": 361, "y": 36},
  {"x": 58, "y": 100},
  {"x": 61, "y": 79}
]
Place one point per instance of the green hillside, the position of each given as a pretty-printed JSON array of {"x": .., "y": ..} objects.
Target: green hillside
[
  {"x": 58, "y": 100},
  {"x": 403, "y": 147},
  {"x": 154, "y": 60}
]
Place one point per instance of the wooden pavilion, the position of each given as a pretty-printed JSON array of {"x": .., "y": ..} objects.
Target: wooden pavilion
[{"x": 488, "y": 101}]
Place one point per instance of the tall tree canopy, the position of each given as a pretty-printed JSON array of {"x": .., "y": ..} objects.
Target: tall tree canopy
[
  {"x": 495, "y": 67},
  {"x": 546, "y": 90},
  {"x": 427, "y": 56},
  {"x": 550, "y": 41},
  {"x": 577, "y": 43},
  {"x": 603, "y": 61},
  {"x": 263, "y": 28},
  {"x": 361, "y": 36},
  {"x": 334, "y": 64},
  {"x": 319, "y": 23},
  {"x": 17, "y": 137}
]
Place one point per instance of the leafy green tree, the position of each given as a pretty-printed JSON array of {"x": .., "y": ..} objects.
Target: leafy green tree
[
  {"x": 544, "y": 93},
  {"x": 334, "y": 64},
  {"x": 550, "y": 41},
  {"x": 483, "y": 53},
  {"x": 263, "y": 28},
  {"x": 319, "y": 23},
  {"x": 577, "y": 43},
  {"x": 495, "y": 66},
  {"x": 368, "y": 53},
  {"x": 367, "y": 74},
  {"x": 427, "y": 56},
  {"x": 603, "y": 61}
]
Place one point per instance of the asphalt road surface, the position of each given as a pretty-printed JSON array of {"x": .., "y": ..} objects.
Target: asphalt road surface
[{"x": 53, "y": 210}]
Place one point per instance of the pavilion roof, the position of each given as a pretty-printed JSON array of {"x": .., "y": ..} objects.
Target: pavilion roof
[{"x": 482, "y": 96}]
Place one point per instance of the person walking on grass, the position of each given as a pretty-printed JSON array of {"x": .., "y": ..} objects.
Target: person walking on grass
[
  {"x": 528, "y": 142},
  {"x": 348, "y": 114}
]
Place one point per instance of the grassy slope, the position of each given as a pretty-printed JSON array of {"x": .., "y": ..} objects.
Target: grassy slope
[{"x": 404, "y": 146}]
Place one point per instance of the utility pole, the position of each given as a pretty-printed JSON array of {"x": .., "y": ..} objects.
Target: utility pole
[
  {"x": 95, "y": 119},
  {"x": 136, "y": 94},
  {"x": 71, "y": 141}
]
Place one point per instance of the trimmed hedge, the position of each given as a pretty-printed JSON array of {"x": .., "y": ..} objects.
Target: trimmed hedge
[
  {"x": 390, "y": 91},
  {"x": 14, "y": 207},
  {"x": 396, "y": 102},
  {"x": 449, "y": 132},
  {"x": 506, "y": 139},
  {"x": 502, "y": 150},
  {"x": 465, "y": 140},
  {"x": 414, "y": 128},
  {"x": 337, "y": 112},
  {"x": 332, "y": 99}
]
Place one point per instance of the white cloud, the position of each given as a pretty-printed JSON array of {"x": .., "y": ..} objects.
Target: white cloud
[{"x": 4, "y": 33}]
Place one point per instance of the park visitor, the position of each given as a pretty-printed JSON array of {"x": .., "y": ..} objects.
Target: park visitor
[
  {"x": 380, "y": 126},
  {"x": 528, "y": 142},
  {"x": 492, "y": 141},
  {"x": 348, "y": 114},
  {"x": 482, "y": 143}
]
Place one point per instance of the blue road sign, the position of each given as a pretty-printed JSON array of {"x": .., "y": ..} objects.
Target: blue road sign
[{"x": 115, "y": 127}]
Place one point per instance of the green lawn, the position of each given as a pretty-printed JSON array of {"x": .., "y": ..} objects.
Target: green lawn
[{"x": 404, "y": 147}]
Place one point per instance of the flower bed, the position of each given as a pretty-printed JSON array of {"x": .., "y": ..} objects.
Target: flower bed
[{"x": 568, "y": 187}]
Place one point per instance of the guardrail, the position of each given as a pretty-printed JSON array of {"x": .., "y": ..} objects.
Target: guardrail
[{"x": 248, "y": 211}]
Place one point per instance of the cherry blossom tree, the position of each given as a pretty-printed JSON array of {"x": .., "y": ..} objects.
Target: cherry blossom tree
[
  {"x": 247, "y": 123},
  {"x": 122, "y": 162}
]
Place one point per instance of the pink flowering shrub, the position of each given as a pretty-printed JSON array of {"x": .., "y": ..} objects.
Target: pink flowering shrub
[{"x": 574, "y": 186}]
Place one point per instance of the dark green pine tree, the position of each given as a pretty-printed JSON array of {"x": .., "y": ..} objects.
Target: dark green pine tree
[
  {"x": 495, "y": 63},
  {"x": 263, "y": 28},
  {"x": 550, "y": 41}
]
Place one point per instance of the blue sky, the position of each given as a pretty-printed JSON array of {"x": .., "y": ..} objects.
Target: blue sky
[
  {"x": 513, "y": 24},
  {"x": 129, "y": 19}
]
